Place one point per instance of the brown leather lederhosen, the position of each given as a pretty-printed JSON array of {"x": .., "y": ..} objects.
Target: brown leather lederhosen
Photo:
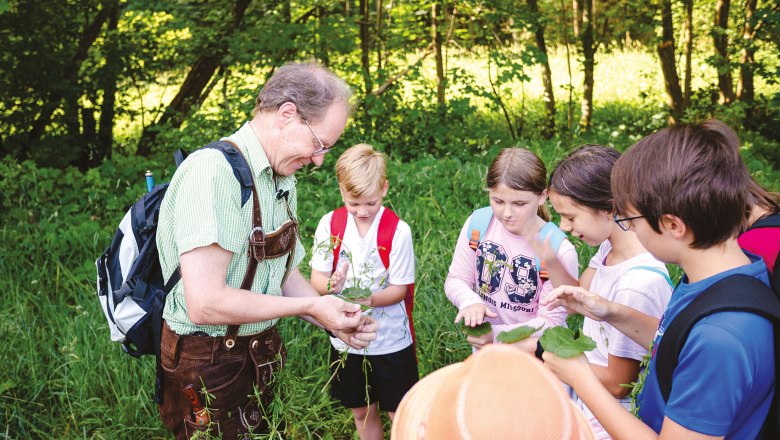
[{"x": 224, "y": 371}]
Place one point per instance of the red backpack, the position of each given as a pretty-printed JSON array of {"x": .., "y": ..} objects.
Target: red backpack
[{"x": 384, "y": 243}]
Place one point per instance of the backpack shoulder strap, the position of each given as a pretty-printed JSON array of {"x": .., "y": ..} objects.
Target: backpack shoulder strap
[
  {"x": 734, "y": 293},
  {"x": 178, "y": 156},
  {"x": 556, "y": 236},
  {"x": 338, "y": 224},
  {"x": 241, "y": 168},
  {"x": 770, "y": 221},
  {"x": 656, "y": 270},
  {"x": 384, "y": 236},
  {"x": 480, "y": 220}
]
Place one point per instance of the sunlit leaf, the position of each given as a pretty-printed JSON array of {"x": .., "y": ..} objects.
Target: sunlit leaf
[
  {"x": 561, "y": 341},
  {"x": 517, "y": 334},
  {"x": 479, "y": 330}
]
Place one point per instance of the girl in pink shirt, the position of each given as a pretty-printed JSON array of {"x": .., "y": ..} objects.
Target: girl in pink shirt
[{"x": 500, "y": 282}]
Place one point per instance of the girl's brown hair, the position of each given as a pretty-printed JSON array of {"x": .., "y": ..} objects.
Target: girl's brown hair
[
  {"x": 521, "y": 170},
  {"x": 584, "y": 176}
]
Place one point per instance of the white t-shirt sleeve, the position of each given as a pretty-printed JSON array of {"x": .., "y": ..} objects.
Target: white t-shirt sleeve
[
  {"x": 321, "y": 251},
  {"x": 642, "y": 290},
  {"x": 401, "y": 256},
  {"x": 598, "y": 259}
]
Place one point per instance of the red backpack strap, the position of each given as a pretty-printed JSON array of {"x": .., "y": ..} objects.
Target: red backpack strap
[
  {"x": 384, "y": 236},
  {"x": 338, "y": 224},
  {"x": 388, "y": 223}
]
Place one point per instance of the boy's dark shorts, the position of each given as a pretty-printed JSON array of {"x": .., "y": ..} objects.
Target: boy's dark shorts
[{"x": 389, "y": 376}]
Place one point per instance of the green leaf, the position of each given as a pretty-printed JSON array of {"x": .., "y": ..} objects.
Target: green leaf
[
  {"x": 356, "y": 293},
  {"x": 560, "y": 340},
  {"x": 517, "y": 334},
  {"x": 363, "y": 307},
  {"x": 479, "y": 330}
]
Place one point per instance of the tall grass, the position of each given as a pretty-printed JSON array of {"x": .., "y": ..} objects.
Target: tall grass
[{"x": 63, "y": 378}]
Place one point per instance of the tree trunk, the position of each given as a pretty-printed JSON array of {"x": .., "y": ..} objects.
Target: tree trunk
[
  {"x": 365, "y": 46},
  {"x": 379, "y": 42},
  {"x": 190, "y": 94},
  {"x": 688, "y": 51},
  {"x": 548, "y": 128},
  {"x": 435, "y": 8},
  {"x": 721, "y": 41},
  {"x": 747, "y": 63},
  {"x": 570, "y": 86},
  {"x": 68, "y": 77},
  {"x": 668, "y": 66},
  {"x": 587, "y": 64},
  {"x": 105, "y": 136},
  {"x": 577, "y": 18}
]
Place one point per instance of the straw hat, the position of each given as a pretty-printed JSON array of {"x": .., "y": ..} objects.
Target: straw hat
[{"x": 500, "y": 392}]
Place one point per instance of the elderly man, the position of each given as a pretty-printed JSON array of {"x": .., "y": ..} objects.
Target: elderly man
[{"x": 220, "y": 345}]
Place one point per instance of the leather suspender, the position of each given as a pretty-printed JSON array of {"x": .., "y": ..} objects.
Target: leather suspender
[{"x": 257, "y": 250}]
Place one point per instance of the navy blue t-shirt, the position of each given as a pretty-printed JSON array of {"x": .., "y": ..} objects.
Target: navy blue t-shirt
[{"x": 724, "y": 382}]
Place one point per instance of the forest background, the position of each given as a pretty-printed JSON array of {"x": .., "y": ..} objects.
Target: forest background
[{"x": 95, "y": 92}]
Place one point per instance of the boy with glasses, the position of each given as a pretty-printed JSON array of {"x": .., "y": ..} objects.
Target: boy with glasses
[{"x": 686, "y": 209}]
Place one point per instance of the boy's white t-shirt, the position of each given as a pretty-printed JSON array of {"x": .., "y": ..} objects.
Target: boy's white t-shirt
[
  {"x": 394, "y": 333},
  {"x": 629, "y": 284}
]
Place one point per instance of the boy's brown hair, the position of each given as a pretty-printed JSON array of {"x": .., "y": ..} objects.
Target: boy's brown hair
[
  {"x": 360, "y": 170},
  {"x": 691, "y": 171}
]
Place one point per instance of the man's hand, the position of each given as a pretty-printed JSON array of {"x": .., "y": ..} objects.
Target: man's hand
[
  {"x": 474, "y": 315},
  {"x": 578, "y": 300},
  {"x": 335, "y": 314},
  {"x": 360, "y": 337}
]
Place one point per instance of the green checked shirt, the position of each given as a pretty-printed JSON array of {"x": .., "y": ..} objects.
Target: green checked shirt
[{"x": 203, "y": 206}]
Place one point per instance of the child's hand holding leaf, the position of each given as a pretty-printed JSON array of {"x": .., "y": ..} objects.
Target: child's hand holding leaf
[
  {"x": 563, "y": 355},
  {"x": 478, "y": 336},
  {"x": 338, "y": 278},
  {"x": 474, "y": 314}
]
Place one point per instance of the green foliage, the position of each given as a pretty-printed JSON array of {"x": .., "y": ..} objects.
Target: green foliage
[
  {"x": 561, "y": 341},
  {"x": 517, "y": 334},
  {"x": 477, "y": 330}
]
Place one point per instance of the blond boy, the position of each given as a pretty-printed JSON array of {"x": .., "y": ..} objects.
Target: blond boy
[{"x": 378, "y": 377}]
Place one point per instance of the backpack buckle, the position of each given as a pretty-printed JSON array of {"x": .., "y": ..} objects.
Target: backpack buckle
[{"x": 257, "y": 245}]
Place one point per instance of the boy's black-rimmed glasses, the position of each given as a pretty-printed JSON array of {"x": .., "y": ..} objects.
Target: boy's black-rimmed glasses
[{"x": 627, "y": 220}]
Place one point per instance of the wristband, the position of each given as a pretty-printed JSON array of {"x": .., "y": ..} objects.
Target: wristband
[{"x": 539, "y": 350}]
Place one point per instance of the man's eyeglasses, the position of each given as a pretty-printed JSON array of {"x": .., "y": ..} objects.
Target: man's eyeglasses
[
  {"x": 322, "y": 150},
  {"x": 625, "y": 223}
]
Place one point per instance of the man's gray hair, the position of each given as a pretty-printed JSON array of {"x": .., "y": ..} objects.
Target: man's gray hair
[{"x": 311, "y": 86}]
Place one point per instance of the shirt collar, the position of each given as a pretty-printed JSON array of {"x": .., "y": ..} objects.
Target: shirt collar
[{"x": 258, "y": 161}]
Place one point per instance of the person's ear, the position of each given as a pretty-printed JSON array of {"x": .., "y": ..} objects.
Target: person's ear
[
  {"x": 543, "y": 197},
  {"x": 286, "y": 112},
  {"x": 674, "y": 225},
  {"x": 385, "y": 187}
]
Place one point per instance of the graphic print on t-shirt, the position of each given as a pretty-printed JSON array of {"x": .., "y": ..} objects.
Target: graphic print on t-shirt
[
  {"x": 491, "y": 260},
  {"x": 524, "y": 278}
]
